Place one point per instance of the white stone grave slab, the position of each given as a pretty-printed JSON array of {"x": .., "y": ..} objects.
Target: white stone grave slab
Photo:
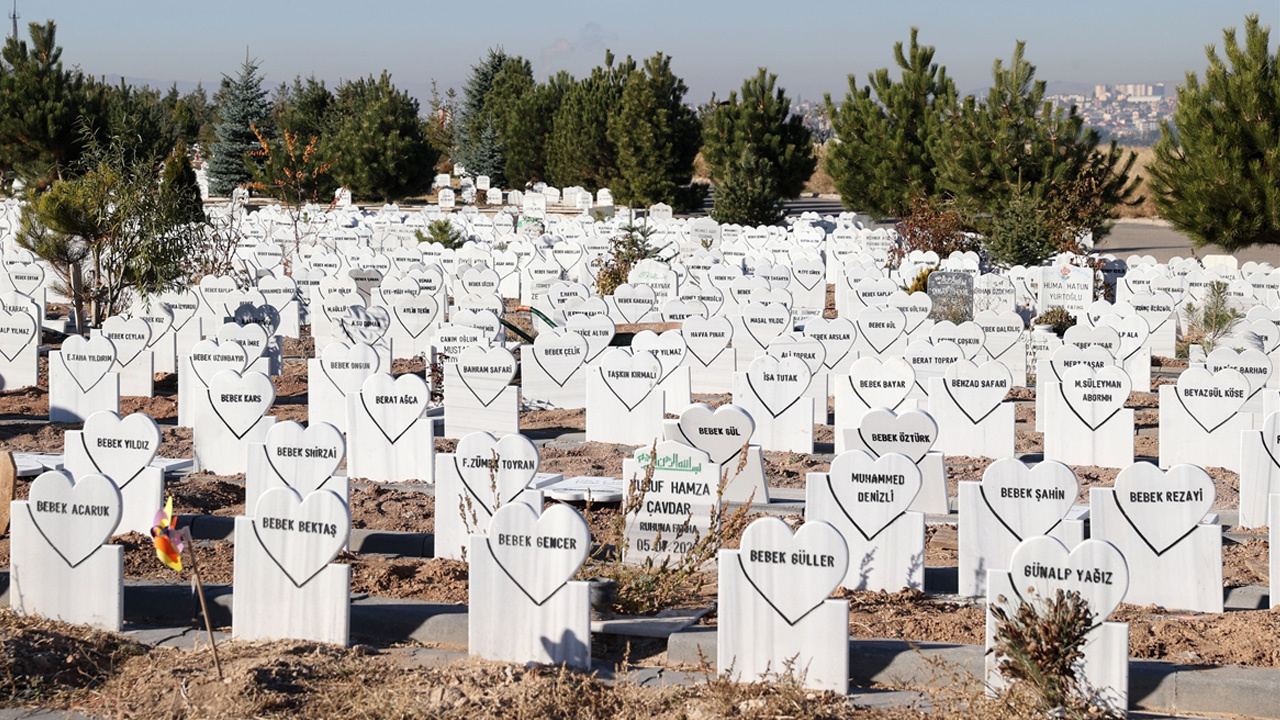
[
  {"x": 772, "y": 391},
  {"x": 882, "y": 331},
  {"x": 478, "y": 394},
  {"x": 19, "y": 341},
  {"x": 1200, "y": 419},
  {"x": 338, "y": 371},
  {"x": 1066, "y": 286},
  {"x": 867, "y": 500},
  {"x": 80, "y": 379},
  {"x": 1012, "y": 503},
  {"x": 774, "y": 608},
  {"x": 388, "y": 437},
  {"x": 1259, "y": 470},
  {"x": 1156, "y": 519},
  {"x": 233, "y": 416},
  {"x": 524, "y": 605},
  {"x": 123, "y": 450},
  {"x": 929, "y": 360},
  {"x": 710, "y": 358},
  {"x": 305, "y": 459},
  {"x": 758, "y": 325},
  {"x": 134, "y": 365},
  {"x": 1039, "y": 567},
  {"x": 973, "y": 418},
  {"x": 912, "y": 433},
  {"x": 57, "y": 550},
  {"x": 676, "y": 491},
  {"x": 672, "y": 352},
  {"x": 1086, "y": 420},
  {"x": 624, "y": 404},
  {"x": 554, "y": 372},
  {"x": 725, "y": 435},
  {"x": 207, "y": 359},
  {"x": 481, "y": 475},
  {"x": 837, "y": 336},
  {"x": 287, "y": 585}
]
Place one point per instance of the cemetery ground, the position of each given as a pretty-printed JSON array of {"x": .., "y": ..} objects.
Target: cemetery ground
[{"x": 60, "y": 666}]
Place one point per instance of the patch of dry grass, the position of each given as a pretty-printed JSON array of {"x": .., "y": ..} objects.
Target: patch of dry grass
[{"x": 1146, "y": 208}]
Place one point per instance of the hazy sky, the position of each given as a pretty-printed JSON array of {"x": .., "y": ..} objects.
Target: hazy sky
[{"x": 813, "y": 46}]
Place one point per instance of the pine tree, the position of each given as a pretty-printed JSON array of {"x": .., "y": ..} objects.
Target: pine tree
[
  {"x": 242, "y": 105},
  {"x": 476, "y": 114},
  {"x": 1216, "y": 174},
  {"x": 760, "y": 120},
  {"x": 748, "y": 192},
  {"x": 178, "y": 181},
  {"x": 303, "y": 108},
  {"x": 656, "y": 134},
  {"x": 579, "y": 151},
  {"x": 42, "y": 107},
  {"x": 881, "y": 159},
  {"x": 1014, "y": 141},
  {"x": 528, "y": 127},
  {"x": 378, "y": 148}
]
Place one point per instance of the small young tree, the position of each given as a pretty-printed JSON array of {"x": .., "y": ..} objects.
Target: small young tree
[
  {"x": 178, "y": 181},
  {"x": 108, "y": 233},
  {"x": 438, "y": 127},
  {"x": 656, "y": 134},
  {"x": 1216, "y": 173},
  {"x": 759, "y": 121},
  {"x": 242, "y": 106},
  {"x": 378, "y": 147},
  {"x": 748, "y": 193},
  {"x": 881, "y": 159}
]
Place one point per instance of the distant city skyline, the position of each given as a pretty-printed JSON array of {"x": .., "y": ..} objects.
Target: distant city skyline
[{"x": 812, "y": 47}]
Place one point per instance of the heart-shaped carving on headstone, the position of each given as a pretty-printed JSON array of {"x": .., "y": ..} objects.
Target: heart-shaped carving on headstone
[
  {"x": 210, "y": 357},
  {"x": 721, "y": 433},
  {"x": 631, "y": 377},
  {"x": 74, "y": 516},
  {"x": 778, "y": 383},
  {"x": 347, "y": 366},
  {"x": 771, "y": 296},
  {"x": 1164, "y": 506},
  {"x": 17, "y": 332},
  {"x": 977, "y": 389},
  {"x": 120, "y": 448},
  {"x": 1029, "y": 501},
  {"x": 279, "y": 291},
  {"x": 668, "y": 347},
  {"x": 881, "y": 326},
  {"x": 1069, "y": 356},
  {"x": 1252, "y": 363},
  {"x": 366, "y": 325},
  {"x": 1084, "y": 337},
  {"x": 1211, "y": 399},
  {"x": 1001, "y": 331},
  {"x": 129, "y": 336},
  {"x": 1264, "y": 334},
  {"x": 1042, "y": 565},
  {"x": 240, "y": 401},
  {"x": 707, "y": 338},
  {"x": 394, "y": 403},
  {"x": 302, "y": 536},
  {"x": 416, "y": 314},
  {"x": 882, "y": 383},
  {"x": 680, "y": 310},
  {"x": 915, "y": 307},
  {"x": 634, "y": 301},
  {"x": 215, "y": 292},
  {"x": 968, "y": 336},
  {"x": 875, "y": 292},
  {"x": 793, "y": 572},
  {"x": 253, "y": 338},
  {"x": 1155, "y": 308},
  {"x": 812, "y": 352},
  {"x": 808, "y": 271},
  {"x": 836, "y": 335},
  {"x": 910, "y": 432},
  {"x": 931, "y": 359},
  {"x": 486, "y": 372},
  {"x": 1132, "y": 330},
  {"x": 765, "y": 322},
  {"x": 538, "y": 552},
  {"x": 158, "y": 317},
  {"x": 873, "y": 492},
  {"x": 495, "y": 471},
  {"x": 560, "y": 353},
  {"x": 26, "y": 278},
  {"x": 266, "y": 316},
  {"x": 597, "y": 330},
  {"x": 304, "y": 458},
  {"x": 480, "y": 282},
  {"x": 1095, "y": 396},
  {"x": 88, "y": 361}
]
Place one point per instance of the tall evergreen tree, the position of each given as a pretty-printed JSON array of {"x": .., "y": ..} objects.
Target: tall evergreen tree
[
  {"x": 527, "y": 130},
  {"x": 378, "y": 148},
  {"x": 759, "y": 120},
  {"x": 1015, "y": 142},
  {"x": 881, "y": 159},
  {"x": 579, "y": 151},
  {"x": 1216, "y": 176},
  {"x": 477, "y": 115},
  {"x": 303, "y": 108},
  {"x": 242, "y": 105},
  {"x": 178, "y": 181},
  {"x": 137, "y": 118},
  {"x": 42, "y": 107},
  {"x": 656, "y": 134}
]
